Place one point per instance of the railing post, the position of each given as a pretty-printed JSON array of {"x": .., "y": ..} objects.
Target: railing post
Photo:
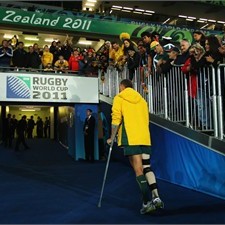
[
  {"x": 220, "y": 104},
  {"x": 215, "y": 118},
  {"x": 150, "y": 97},
  {"x": 165, "y": 96},
  {"x": 186, "y": 102},
  {"x": 135, "y": 80},
  {"x": 117, "y": 82}
]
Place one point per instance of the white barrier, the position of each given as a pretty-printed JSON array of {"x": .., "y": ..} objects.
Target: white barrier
[{"x": 168, "y": 96}]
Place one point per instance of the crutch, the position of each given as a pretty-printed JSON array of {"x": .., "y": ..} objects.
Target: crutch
[{"x": 106, "y": 170}]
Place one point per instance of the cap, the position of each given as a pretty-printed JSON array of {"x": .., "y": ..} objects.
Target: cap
[
  {"x": 166, "y": 38},
  {"x": 198, "y": 32},
  {"x": 154, "y": 44},
  {"x": 174, "y": 49}
]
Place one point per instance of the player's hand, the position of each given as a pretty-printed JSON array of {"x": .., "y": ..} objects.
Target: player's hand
[{"x": 109, "y": 141}]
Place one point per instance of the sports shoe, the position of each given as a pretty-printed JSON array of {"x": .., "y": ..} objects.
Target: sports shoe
[
  {"x": 158, "y": 203},
  {"x": 148, "y": 208}
]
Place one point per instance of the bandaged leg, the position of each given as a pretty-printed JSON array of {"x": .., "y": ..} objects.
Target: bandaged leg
[
  {"x": 143, "y": 185},
  {"x": 150, "y": 176},
  {"x": 136, "y": 163}
]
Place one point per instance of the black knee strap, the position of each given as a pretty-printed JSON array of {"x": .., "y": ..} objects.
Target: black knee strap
[
  {"x": 147, "y": 170},
  {"x": 145, "y": 162},
  {"x": 153, "y": 186}
]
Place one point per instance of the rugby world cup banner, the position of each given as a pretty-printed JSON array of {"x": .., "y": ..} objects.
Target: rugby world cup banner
[{"x": 48, "y": 88}]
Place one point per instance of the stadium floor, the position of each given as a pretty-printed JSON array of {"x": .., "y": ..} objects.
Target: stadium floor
[{"x": 44, "y": 185}]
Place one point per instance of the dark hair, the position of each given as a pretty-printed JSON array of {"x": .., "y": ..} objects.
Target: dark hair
[
  {"x": 89, "y": 110},
  {"x": 146, "y": 33},
  {"x": 214, "y": 44},
  {"x": 126, "y": 83}
]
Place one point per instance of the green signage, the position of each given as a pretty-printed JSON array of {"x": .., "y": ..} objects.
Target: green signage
[
  {"x": 89, "y": 25},
  {"x": 214, "y": 2}
]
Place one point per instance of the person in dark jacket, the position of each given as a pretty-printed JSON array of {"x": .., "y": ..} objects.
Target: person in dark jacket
[
  {"x": 40, "y": 126},
  {"x": 30, "y": 127},
  {"x": 33, "y": 59},
  {"x": 133, "y": 62},
  {"x": 19, "y": 58},
  {"x": 21, "y": 128},
  {"x": 184, "y": 47},
  {"x": 6, "y": 54},
  {"x": 7, "y": 128},
  {"x": 89, "y": 130}
]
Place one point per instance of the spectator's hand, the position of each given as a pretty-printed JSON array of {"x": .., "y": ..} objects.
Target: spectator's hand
[
  {"x": 159, "y": 62},
  {"x": 222, "y": 50},
  {"x": 149, "y": 72},
  {"x": 209, "y": 59}
]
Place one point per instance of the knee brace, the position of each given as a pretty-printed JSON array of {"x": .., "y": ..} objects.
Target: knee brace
[
  {"x": 145, "y": 162},
  {"x": 153, "y": 186},
  {"x": 147, "y": 170}
]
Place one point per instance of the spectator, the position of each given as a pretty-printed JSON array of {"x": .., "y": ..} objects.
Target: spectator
[
  {"x": 147, "y": 39},
  {"x": 155, "y": 36},
  {"x": 54, "y": 50},
  {"x": 104, "y": 49},
  {"x": 213, "y": 55},
  {"x": 88, "y": 63},
  {"x": 116, "y": 55},
  {"x": 33, "y": 59},
  {"x": 133, "y": 61},
  {"x": 199, "y": 37},
  {"x": 128, "y": 44},
  {"x": 184, "y": 47},
  {"x": 49, "y": 68},
  {"x": 61, "y": 65},
  {"x": 66, "y": 51},
  {"x": 143, "y": 63},
  {"x": 166, "y": 43},
  {"x": 19, "y": 58},
  {"x": 172, "y": 54},
  {"x": 6, "y": 54},
  {"x": 47, "y": 57},
  {"x": 75, "y": 61},
  {"x": 161, "y": 56}
]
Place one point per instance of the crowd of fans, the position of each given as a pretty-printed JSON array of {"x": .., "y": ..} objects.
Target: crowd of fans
[
  {"x": 151, "y": 51},
  {"x": 151, "y": 54},
  {"x": 63, "y": 58}
]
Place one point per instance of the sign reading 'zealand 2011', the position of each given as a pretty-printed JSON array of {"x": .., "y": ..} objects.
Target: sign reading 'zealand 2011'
[
  {"x": 48, "y": 88},
  {"x": 13, "y": 16}
]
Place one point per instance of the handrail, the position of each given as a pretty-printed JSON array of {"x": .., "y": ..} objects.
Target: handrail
[{"x": 170, "y": 96}]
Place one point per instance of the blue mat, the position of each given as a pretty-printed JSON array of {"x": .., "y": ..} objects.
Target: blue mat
[{"x": 46, "y": 186}]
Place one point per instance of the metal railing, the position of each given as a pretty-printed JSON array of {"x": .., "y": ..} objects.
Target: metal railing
[{"x": 169, "y": 95}]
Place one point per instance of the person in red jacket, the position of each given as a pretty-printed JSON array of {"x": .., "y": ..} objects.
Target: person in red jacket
[{"x": 74, "y": 60}]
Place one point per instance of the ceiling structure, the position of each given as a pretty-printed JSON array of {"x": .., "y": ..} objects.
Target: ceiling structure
[
  {"x": 194, "y": 14},
  {"x": 213, "y": 14}
]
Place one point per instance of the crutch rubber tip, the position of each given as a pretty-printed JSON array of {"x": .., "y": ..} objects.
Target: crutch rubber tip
[{"x": 99, "y": 205}]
